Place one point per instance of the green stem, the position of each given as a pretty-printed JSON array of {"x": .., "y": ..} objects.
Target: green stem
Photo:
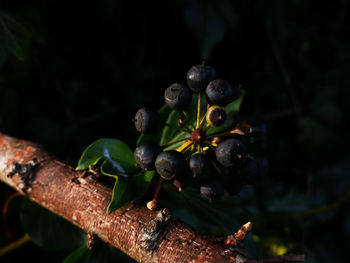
[
  {"x": 227, "y": 133},
  {"x": 178, "y": 128},
  {"x": 14, "y": 245},
  {"x": 176, "y": 141},
  {"x": 198, "y": 110}
]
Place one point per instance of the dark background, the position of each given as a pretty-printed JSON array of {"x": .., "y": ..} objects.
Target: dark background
[{"x": 72, "y": 72}]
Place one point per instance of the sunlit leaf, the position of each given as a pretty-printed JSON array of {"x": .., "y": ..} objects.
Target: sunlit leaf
[
  {"x": 128, "y": 189},
  {"x": 116, "y": 152}
]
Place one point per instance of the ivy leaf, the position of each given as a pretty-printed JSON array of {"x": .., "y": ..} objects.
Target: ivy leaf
[
  {"x": 79, "y": 255},
  {"x": 291, "y": 202},
  {"x": 128, "y": 189},
  {"x": 14, "y": 38},
  {"x": 170, "y": 134},
  {"x": 119, "y": 162},
  {"x": 102, "y": 253},
  {"x": 221, "y": 217},
  {"x": 116, "y": 152},
  {"x": 42, "y": 226}
]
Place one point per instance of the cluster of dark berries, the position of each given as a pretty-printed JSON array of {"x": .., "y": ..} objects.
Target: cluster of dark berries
[{"x": 218, "y": 163}]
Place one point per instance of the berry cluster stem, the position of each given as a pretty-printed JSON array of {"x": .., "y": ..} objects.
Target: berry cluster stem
[
  {"x": 198, "y": 110},
  {"x": 227, "y": 133},
  {"x": 176, "y": 141}
]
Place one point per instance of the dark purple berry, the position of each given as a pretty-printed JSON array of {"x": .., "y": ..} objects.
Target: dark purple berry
[
  {"x": 201, "y": 167},
  {"x": 145, "y": 155},
  {"x": 146, "y": 121},
  {"x": 212, "y": 190},
  {"x": 177, "y": 97},
  {"x": 231, "y": 152},
  {"x": 170, "y": 164},
  {"x": 198, "y": 77},
  {"x": 258, "y": 133},
  {"x": 220, "y": 92},
  {"x": 216, "y": 116},
  {"x": 254, "y": 168}
]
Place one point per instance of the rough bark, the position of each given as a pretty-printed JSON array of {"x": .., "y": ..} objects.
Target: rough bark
[{"x": 83, "y": 202}]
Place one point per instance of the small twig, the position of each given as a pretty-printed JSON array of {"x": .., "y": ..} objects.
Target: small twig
[
  {"x": 152, "y": 205},
  {"x": 14, "y": 245}
]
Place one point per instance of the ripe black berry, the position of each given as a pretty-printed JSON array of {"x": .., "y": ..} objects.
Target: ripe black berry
[
  {"x": 170, "y": 164},
  {"x": 258, "y": 133},
  {"x": 177, "y": 96},
  {"x": 212, "y": 190},
  {"x": 216, "y": 116},
  {"x": 146, "y": 121},
  {"x": 254, "y": 168},
  {"x": 231, "y": 152},
  {"x": 200, "y": 166},
  {"x": 220, "y": 92},
  {"x": 198, "y": 77},
  {"x": 145, "y": 155}
]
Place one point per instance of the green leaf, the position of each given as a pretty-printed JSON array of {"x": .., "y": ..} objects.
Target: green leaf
[
  {"x": 221, "y": 217},
  {"x": 128, "y": 189},
  {"x": 170, "y": 134},
  {"x": 79, "y": 255},
  {"x": 13, "y": 36},
  {"x": 49, "y": 230},
  {"x": 118, "y": 154},
  {"x": 291, "y": 202},
  {"x": 101, "y": 253}
]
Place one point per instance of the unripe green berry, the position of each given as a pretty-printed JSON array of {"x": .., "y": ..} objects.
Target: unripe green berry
[{"x": 216, "y": 116}]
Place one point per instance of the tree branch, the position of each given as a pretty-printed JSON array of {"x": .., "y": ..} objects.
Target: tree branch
[{"x": 83, "y": 201}]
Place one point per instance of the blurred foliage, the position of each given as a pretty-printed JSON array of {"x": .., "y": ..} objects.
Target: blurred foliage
[{"x": 73, "y": 71}]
